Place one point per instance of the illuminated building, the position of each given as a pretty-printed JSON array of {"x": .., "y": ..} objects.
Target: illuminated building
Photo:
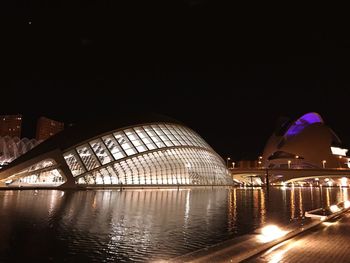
[
  {"x": 10, "y": 125},
  {"x": 305, "y": 143},
  {"x": 141, "y": 151},
  {"x": 13, "y": 147},
  {"x": 47, "y": 128}
]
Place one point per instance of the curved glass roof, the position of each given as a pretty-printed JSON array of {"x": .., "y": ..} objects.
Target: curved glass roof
[
  {"x": 155, "y": 153},
  {"x": 301, "y": 123}
]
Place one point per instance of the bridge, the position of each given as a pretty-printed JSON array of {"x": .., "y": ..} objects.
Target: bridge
[{"x": 287, "y": 175}]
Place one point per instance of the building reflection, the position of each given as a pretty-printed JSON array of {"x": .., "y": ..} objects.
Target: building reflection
[
  {"x": 328, "y": 199},
  {"x": 151, "y": 220},
  {"x": 312, "y": 196},
  {"x": 262, "y": 207},
  {"x": 141, "y": 225},
  {"x": 344, "y": 192},
  {"x": 301, "y": 207},
  {"x": 232, "y": 208},
  {"x": 246, "y": 204},
  {"x": 292, "y": 202}
]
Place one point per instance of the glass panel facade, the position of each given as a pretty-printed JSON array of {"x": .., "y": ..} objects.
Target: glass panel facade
[
  {"x": 74, "y": 163},
  {"x": 101, "y": 152},
  {"x": 185, "y": 166},
  {"x": 125, "y": 143},
  {"x": 141, "y": 156},
  {"x": 145, "y": 138},
  {"x": 51, "y": 177},
  {"x": 88, "y": 157},
  {"x": 155, "y": 138},
  {"x": 113, "y": 147},
  {"x": 43, "y": 173},
  {"x": 135, "y": 140},
  {"x": 162, "y": 135}
]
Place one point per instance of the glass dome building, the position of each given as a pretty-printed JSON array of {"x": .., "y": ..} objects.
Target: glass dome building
[{"x": 149, "y": 151}]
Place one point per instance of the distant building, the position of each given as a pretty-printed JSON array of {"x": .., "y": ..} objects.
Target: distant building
[
  {"x": 10, "y": 125},
  {"x": 13, "y": 147},
  {"x": 46, "y": 128},
  {"x": 305, "y": 143}
]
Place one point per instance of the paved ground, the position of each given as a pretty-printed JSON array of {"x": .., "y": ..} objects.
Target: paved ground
[{"x": 328, "y": 243}]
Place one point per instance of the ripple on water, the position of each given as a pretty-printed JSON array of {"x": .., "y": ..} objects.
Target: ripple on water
[{"x": 113, "y": 226}]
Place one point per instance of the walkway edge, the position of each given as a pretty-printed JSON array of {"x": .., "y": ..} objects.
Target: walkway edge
[{"x": 244, "y": 247}]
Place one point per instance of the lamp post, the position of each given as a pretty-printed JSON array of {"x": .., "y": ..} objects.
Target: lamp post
[
  {"x": 233, "y": 164},
  {"x": 259, "y": 161},
  {"x": 228, "y": 158},
  {"x": 259, "y": 164},
  {"x": 289, "y": 162},
  {"x": 324, "y": 163}
]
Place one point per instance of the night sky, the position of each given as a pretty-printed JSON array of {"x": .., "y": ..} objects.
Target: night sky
[{"x": 228, "y": 72}]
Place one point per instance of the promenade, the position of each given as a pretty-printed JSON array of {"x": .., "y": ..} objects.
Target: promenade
[{"x": 328, "y": 242}]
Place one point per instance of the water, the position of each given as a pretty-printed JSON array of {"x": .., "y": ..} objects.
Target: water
[{"x": 145, "y": 225}]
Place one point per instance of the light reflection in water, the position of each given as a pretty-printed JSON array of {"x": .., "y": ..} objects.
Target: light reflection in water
[
  {"x": 292, "y": 202},
  {"x": 328, "y": 200},
  {"x": 344, "y": 194},
  {"x": 232, "y": 208},
  {"x": 301, "y": 208},
  {"x": 312, "y": 196},
  {"x": 110, "y": 226},
  {"x": 262, "y": 207}
]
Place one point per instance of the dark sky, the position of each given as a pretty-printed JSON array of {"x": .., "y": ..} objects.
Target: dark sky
[{"x": 227, "y": 71}]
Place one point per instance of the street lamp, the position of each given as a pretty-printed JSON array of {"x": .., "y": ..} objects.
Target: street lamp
[
  {"x": 339, "y": 160},
  {"x": 233, "y": 164},
  {"x": 259, "y": 161},
  {"x": 289, "y": 162},
  {"x": 228, "y": 158},
  {"x": 324, "y": 163}
]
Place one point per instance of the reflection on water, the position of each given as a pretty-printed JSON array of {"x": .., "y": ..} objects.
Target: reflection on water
[{"x": 145, "y": 225}]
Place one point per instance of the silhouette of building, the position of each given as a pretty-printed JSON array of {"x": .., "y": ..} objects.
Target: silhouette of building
[
  {"x": 46, "y": 128},
  {"x": 10, "y": 125}
]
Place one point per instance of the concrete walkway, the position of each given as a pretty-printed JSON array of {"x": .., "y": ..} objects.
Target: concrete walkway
[{"x": 327, "y": 243}]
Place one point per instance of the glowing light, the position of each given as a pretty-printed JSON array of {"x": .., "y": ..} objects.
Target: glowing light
[
  {"x": 271, "y": 232},
  {"x": 334, "y": 208},
  {"x": 330, "y": 183},
  {"x": 303, "y": 122},
  {"x": 344, "y": 181},
  {"x": 323, "y": 218},
  {"x": 329, "y": 223},
  {"x": 339, "y": 151},
  {"x": 347, "y": 204}
]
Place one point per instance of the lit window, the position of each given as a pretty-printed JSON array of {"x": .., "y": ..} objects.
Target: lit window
[
  {"x": 87, "y": 157},
  {"x": 100, "y": 151}
]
